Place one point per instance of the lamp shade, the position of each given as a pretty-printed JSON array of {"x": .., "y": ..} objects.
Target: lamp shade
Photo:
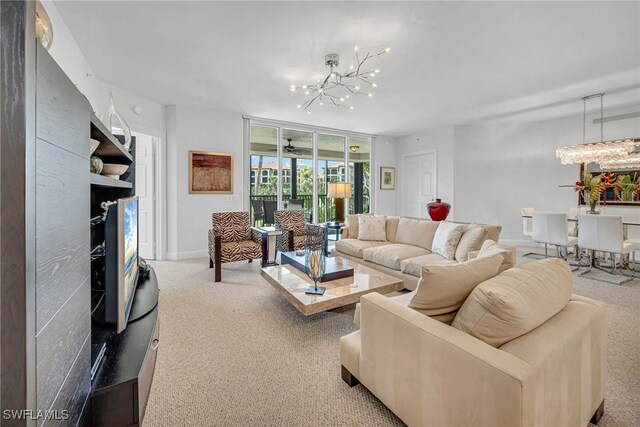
[{"x": 339, "y": 190}]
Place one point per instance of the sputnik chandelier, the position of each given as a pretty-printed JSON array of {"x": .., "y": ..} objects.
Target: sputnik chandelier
[
  {"x": 609, "y": 154},
  {"x": 337, "y": 88}
]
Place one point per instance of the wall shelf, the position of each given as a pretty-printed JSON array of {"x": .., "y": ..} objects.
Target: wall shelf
[
  {"x": 109, "y": 146},
  {"x": 105, "y": 181}
]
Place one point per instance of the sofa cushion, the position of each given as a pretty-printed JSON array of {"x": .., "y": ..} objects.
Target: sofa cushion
[
  {"x": 352, "y": 223},
  {"x": 354, "y": 247},
  {"x": 471, "y": 240},
  {"x": 446, "y": 239},
  {"x": 392, "y": 254},
  {"x": 372, "y": 227},
  {"x": 392, "y": 228},
  {"x": 413, "y": 266},
  {"x": 443, "y": 288},
  {"x": 416, "y": 232},
  {"x": 516, "y": 301},
  {"x": 490, "y": 248},
  {"x": 493, "y": 231}
]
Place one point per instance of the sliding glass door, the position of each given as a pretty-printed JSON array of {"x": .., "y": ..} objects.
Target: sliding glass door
[{"x": 291, "y": 169}]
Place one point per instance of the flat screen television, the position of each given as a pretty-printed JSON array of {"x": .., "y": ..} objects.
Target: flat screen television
[{"x": 121, "y": 261}]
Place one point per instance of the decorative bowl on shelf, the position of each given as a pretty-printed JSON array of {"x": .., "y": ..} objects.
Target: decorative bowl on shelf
[
  {"x": 94, "y": 144},
  {"x": 114, "y": 170}
]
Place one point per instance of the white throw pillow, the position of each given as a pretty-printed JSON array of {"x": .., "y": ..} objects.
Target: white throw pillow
[
  {"x": 372, "y": 227},
  {"x": 446, "y": 239}
]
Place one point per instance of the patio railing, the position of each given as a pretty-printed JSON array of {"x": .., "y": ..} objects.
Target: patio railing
[{"x": 326, "y": 206}]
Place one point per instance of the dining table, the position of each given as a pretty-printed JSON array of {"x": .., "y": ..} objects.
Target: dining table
[{"x": 626, "y": 222}]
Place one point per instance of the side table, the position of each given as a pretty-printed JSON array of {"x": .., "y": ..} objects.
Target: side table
[
  {"x": 269, "y": 239},
  {"x": 334, "y": 226}
]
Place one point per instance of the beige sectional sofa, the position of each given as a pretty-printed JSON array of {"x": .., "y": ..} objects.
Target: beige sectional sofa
[
  {"x": 521, "y": 351},
  {"x": 406, "y": 248}
]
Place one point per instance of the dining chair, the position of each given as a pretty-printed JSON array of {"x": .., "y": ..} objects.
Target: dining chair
[
  {"x": 270, "y": 207},
  {"x": 550, "y": 228},
  {"x": 258, "y": 210},
  {"x": 573, "y": 225},
  {"x": 604, "y": 233},
  {"x": 527, "y": 226}
]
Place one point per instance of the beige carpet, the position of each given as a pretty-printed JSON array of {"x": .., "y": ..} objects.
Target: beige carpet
[{"x": 237, "y": 353}]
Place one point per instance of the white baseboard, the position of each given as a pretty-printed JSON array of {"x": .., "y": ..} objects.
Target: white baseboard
[{"x": 176, "y": 256}]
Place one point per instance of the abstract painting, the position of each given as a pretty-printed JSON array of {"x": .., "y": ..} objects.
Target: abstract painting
[{"x": 210, "y": 173}]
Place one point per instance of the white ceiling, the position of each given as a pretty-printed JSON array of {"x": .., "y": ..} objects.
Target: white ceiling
[{"x": 450, "y": 63}]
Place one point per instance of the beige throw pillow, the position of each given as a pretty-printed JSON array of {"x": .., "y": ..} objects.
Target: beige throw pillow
[
  {"x": 446, "y": 239},
  {"x": 493, "y": 231},
  {"x": 515, "y": 302},
  {"x": 352, "y": 223},
  {"x": 372, "y": 227},
  {"x": 443, "y": 288},
  {"x": 416, "y": 232},
  {"x": 471, "y": 240},
  {"x": 490, "y": 248}
]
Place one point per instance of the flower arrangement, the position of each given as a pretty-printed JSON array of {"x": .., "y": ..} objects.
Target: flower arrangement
[
  {"x": 592, "y": 187},
  {"x": 625, "y": 187}
]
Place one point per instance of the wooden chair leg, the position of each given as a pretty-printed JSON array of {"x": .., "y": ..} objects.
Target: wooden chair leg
[
  {"x": 348, "y": 378},
  {"x": 598, "y": 414},
  {"x": 218, "y": 273},
  {"x": 218, "y": 260}
]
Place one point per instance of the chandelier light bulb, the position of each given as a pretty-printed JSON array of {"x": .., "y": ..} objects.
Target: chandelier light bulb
[
  {"x": 309, "y": 112},
  {"x": 339, "y": 86}
]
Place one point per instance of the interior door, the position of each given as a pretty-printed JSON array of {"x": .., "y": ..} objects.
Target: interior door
[
  {"x": 418, "y": 183},
  {"x": 146, "y": 192}
]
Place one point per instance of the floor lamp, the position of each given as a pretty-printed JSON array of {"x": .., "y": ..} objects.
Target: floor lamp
[{"x": 339, "y": 191}]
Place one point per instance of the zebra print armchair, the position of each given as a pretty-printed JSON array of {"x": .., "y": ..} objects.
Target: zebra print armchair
[
  {"x": 232, "y": 239},
  {"x": 294, "y": 224}
]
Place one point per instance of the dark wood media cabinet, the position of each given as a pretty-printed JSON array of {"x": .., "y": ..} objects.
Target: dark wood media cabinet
[{"x": 121, "y": 386}]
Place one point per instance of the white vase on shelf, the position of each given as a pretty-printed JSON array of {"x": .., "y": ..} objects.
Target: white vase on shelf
[{"x": 113, "y": 119}]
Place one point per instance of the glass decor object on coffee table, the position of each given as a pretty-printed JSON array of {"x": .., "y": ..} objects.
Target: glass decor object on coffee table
[{"x": 315, "y": 262}]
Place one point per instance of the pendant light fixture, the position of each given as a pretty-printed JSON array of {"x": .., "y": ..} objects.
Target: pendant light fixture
[{"x": 603, "y": 152}]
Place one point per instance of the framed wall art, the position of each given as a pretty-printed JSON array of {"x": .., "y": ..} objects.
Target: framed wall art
[
  {"x": 210, "y": 173},
  {"x": 387, "y": 178}
]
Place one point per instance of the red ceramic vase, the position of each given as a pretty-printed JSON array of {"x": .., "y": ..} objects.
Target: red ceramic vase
[{"x": 438, "y": 210}]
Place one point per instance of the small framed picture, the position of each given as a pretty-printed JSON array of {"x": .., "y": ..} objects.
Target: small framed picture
[
  {"x": 387, "y": 178},
  {"x": 210, "y": 173}
]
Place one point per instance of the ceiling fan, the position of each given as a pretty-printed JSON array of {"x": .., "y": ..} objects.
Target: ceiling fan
[{"x": 291, "y": 149}]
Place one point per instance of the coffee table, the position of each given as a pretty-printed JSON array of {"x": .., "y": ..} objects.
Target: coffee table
[{"x": 292, "y": 284}]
